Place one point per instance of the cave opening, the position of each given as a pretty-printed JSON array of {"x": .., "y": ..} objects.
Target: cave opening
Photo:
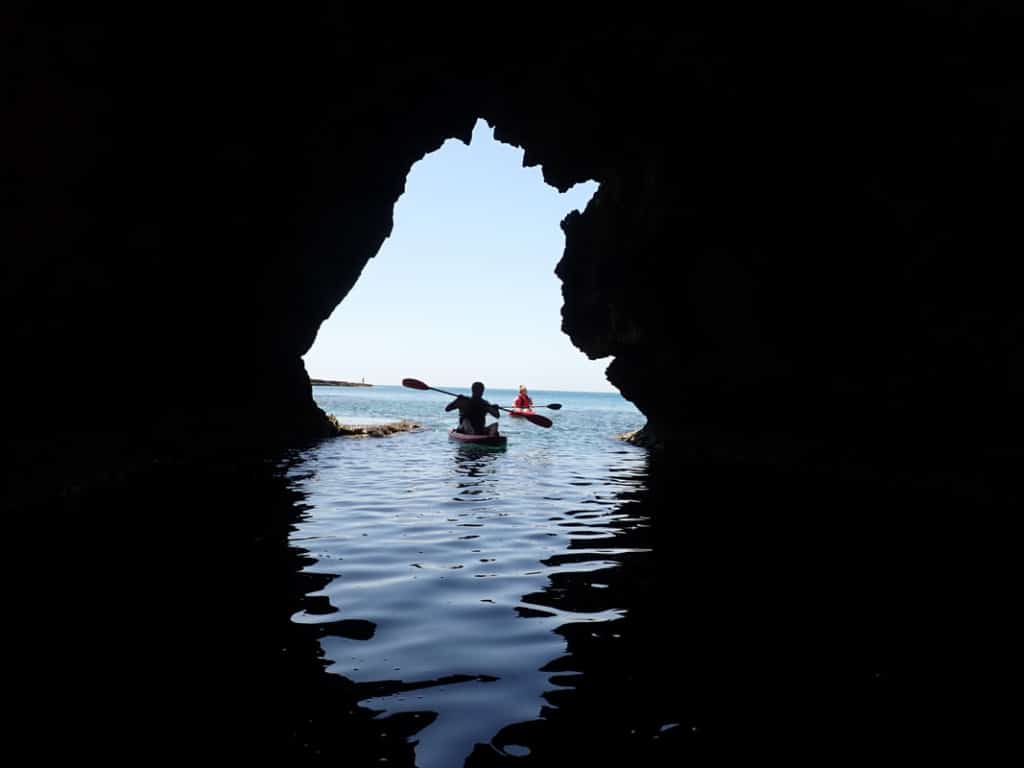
[{"x": 464, "y": 288}]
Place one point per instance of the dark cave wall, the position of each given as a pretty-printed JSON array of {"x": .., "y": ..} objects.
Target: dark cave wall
[
  {"x": 808, "y": 240},
  {"x": 795, "y": 235},
  {"x": 210, "y": 202}
]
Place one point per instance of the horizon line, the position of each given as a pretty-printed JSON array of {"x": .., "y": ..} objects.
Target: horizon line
[{"x": 613, "y": 390}]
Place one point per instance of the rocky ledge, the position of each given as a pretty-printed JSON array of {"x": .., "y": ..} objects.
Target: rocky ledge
[
  {"x": 332, "y": 383},
  {"x": 372, "y": 430}
]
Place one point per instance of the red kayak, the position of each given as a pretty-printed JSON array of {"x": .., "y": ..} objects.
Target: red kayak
[
  {"x": 520, "y": 411},
  {"x": 485, "y": 441}
]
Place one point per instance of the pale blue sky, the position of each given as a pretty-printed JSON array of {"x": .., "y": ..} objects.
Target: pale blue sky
[{"x": 464, "y": 289}]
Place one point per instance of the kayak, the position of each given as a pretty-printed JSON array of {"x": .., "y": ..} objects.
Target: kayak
[
  {"x": 520, "y": 411},
  {"x": 484, "y": 441}
]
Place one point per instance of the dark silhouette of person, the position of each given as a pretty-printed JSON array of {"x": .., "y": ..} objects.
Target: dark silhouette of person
[{"x": 473, "y": 411}]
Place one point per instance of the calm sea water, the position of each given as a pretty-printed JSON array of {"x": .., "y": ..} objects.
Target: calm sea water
[
  {"x": 571, "y": 600},
  {"x": 458, "y": 577}
]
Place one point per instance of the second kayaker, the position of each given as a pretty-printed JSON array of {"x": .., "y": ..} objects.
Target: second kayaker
[{"x": 523, "y": 399}]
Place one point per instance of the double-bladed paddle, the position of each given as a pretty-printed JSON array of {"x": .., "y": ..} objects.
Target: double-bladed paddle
[{"x": 536, "y": 418}]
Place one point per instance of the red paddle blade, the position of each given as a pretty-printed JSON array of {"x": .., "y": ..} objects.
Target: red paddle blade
[
  {"x": 540, "y": 421},
  {"x": 414, "y": 384}
]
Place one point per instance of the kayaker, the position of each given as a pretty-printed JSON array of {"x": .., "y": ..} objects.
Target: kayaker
[
  {"x": 523, "y": 399},
  {"x": 473, "y": 411}
]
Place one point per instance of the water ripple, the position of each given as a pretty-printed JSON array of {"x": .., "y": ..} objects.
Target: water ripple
[{"x": 460, "y": 631}]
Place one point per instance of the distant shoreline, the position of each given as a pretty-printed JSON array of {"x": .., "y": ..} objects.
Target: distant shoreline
[{"x": 332, "y": 383}]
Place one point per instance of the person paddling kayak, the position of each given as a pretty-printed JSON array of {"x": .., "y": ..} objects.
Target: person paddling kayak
[
  {"x": 473, "y": 412},
  {"x": 523, "y": 401}
]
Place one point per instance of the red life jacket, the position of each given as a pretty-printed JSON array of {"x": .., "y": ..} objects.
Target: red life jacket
[{"x": 523, "y": 401}]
